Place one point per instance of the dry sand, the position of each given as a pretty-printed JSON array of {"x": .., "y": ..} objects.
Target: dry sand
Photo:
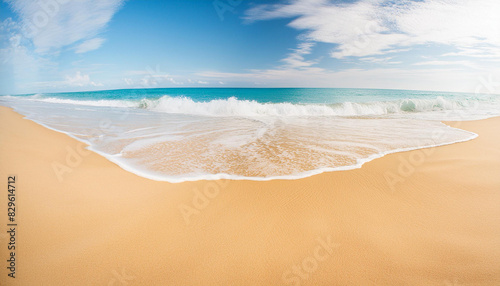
[{"x": 97, "y": 224}]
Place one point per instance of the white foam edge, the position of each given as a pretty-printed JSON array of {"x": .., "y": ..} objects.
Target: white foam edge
[{"x": 212, "y": 177}]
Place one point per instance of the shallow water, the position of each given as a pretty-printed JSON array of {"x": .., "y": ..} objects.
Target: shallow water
[{"x": 260, "y": 134}]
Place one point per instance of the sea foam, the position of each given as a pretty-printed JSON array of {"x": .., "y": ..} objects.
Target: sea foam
[
  {"x": 234, "y": 107},
  {"x": 176, "y": 138}
]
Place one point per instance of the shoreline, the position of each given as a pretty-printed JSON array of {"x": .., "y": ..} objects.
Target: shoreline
[
  {"x": 436, "y": 225},
  {"x": 299, "y": 176}
]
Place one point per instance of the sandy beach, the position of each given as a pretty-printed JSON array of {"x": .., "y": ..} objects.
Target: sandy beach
[{"x": 424, "y": 217}]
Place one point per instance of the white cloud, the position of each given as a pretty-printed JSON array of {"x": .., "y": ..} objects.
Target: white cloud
[
  {"x": 486, "y": 52},
  {"x": 44, "y": 28},
  {"x": 296, "y": 58},
  {"x": 52, "y": 24},
  {"x": 80, "y": 80},
  {"x": 437, "y": 79},
  {"x": 172, "y": 80},
  {"x": 128, "y": 81},
  {"x": 372, "y": 31},
  {"x": 18, "y": 65},
  {"x": 379, "y": 60},
  {"x": 448, "y": 63},
  {"x": 89, "y": 45},
  {"x": 374, "y": 27},
  {"x": 150, "y": 77}
]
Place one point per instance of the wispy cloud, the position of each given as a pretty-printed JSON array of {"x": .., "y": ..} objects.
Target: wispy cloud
[
  {"x": 79, "y": 79},
  {"x": 380, "y": 60},
  {"x": 414, "y": 44},
  {"x": 56, "y": 24},
  {"x": 444, "y": 79},
  {"x": 89, "y": 45},
  {"x": 374, "y": 27},
  {"x": 485, "y": 52},
  {"x": 44, "y": 29},
  {"x": 296, "y": 58},
  {"x": 380, "y": 32},
  {"x": 448, "y": 63},
  {"x": 76, "y": 80},
  {"x": 150, "y": 77}
]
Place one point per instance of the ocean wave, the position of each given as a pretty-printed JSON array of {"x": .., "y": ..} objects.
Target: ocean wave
[
  {"x": 288, "y": 141},
  {"x": 236, "y": 107}
]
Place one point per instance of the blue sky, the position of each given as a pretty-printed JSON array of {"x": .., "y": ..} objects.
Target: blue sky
[{"x": 73, "y": 45}]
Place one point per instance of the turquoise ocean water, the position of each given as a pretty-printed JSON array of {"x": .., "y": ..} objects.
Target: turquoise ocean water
[{"x": 179, "y": 134}]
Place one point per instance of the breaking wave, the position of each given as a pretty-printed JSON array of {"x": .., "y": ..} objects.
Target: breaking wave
[{"x": 235, "y": 107}]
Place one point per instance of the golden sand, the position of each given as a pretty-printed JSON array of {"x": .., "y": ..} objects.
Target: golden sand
[{"x": 425, "y": 217}]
